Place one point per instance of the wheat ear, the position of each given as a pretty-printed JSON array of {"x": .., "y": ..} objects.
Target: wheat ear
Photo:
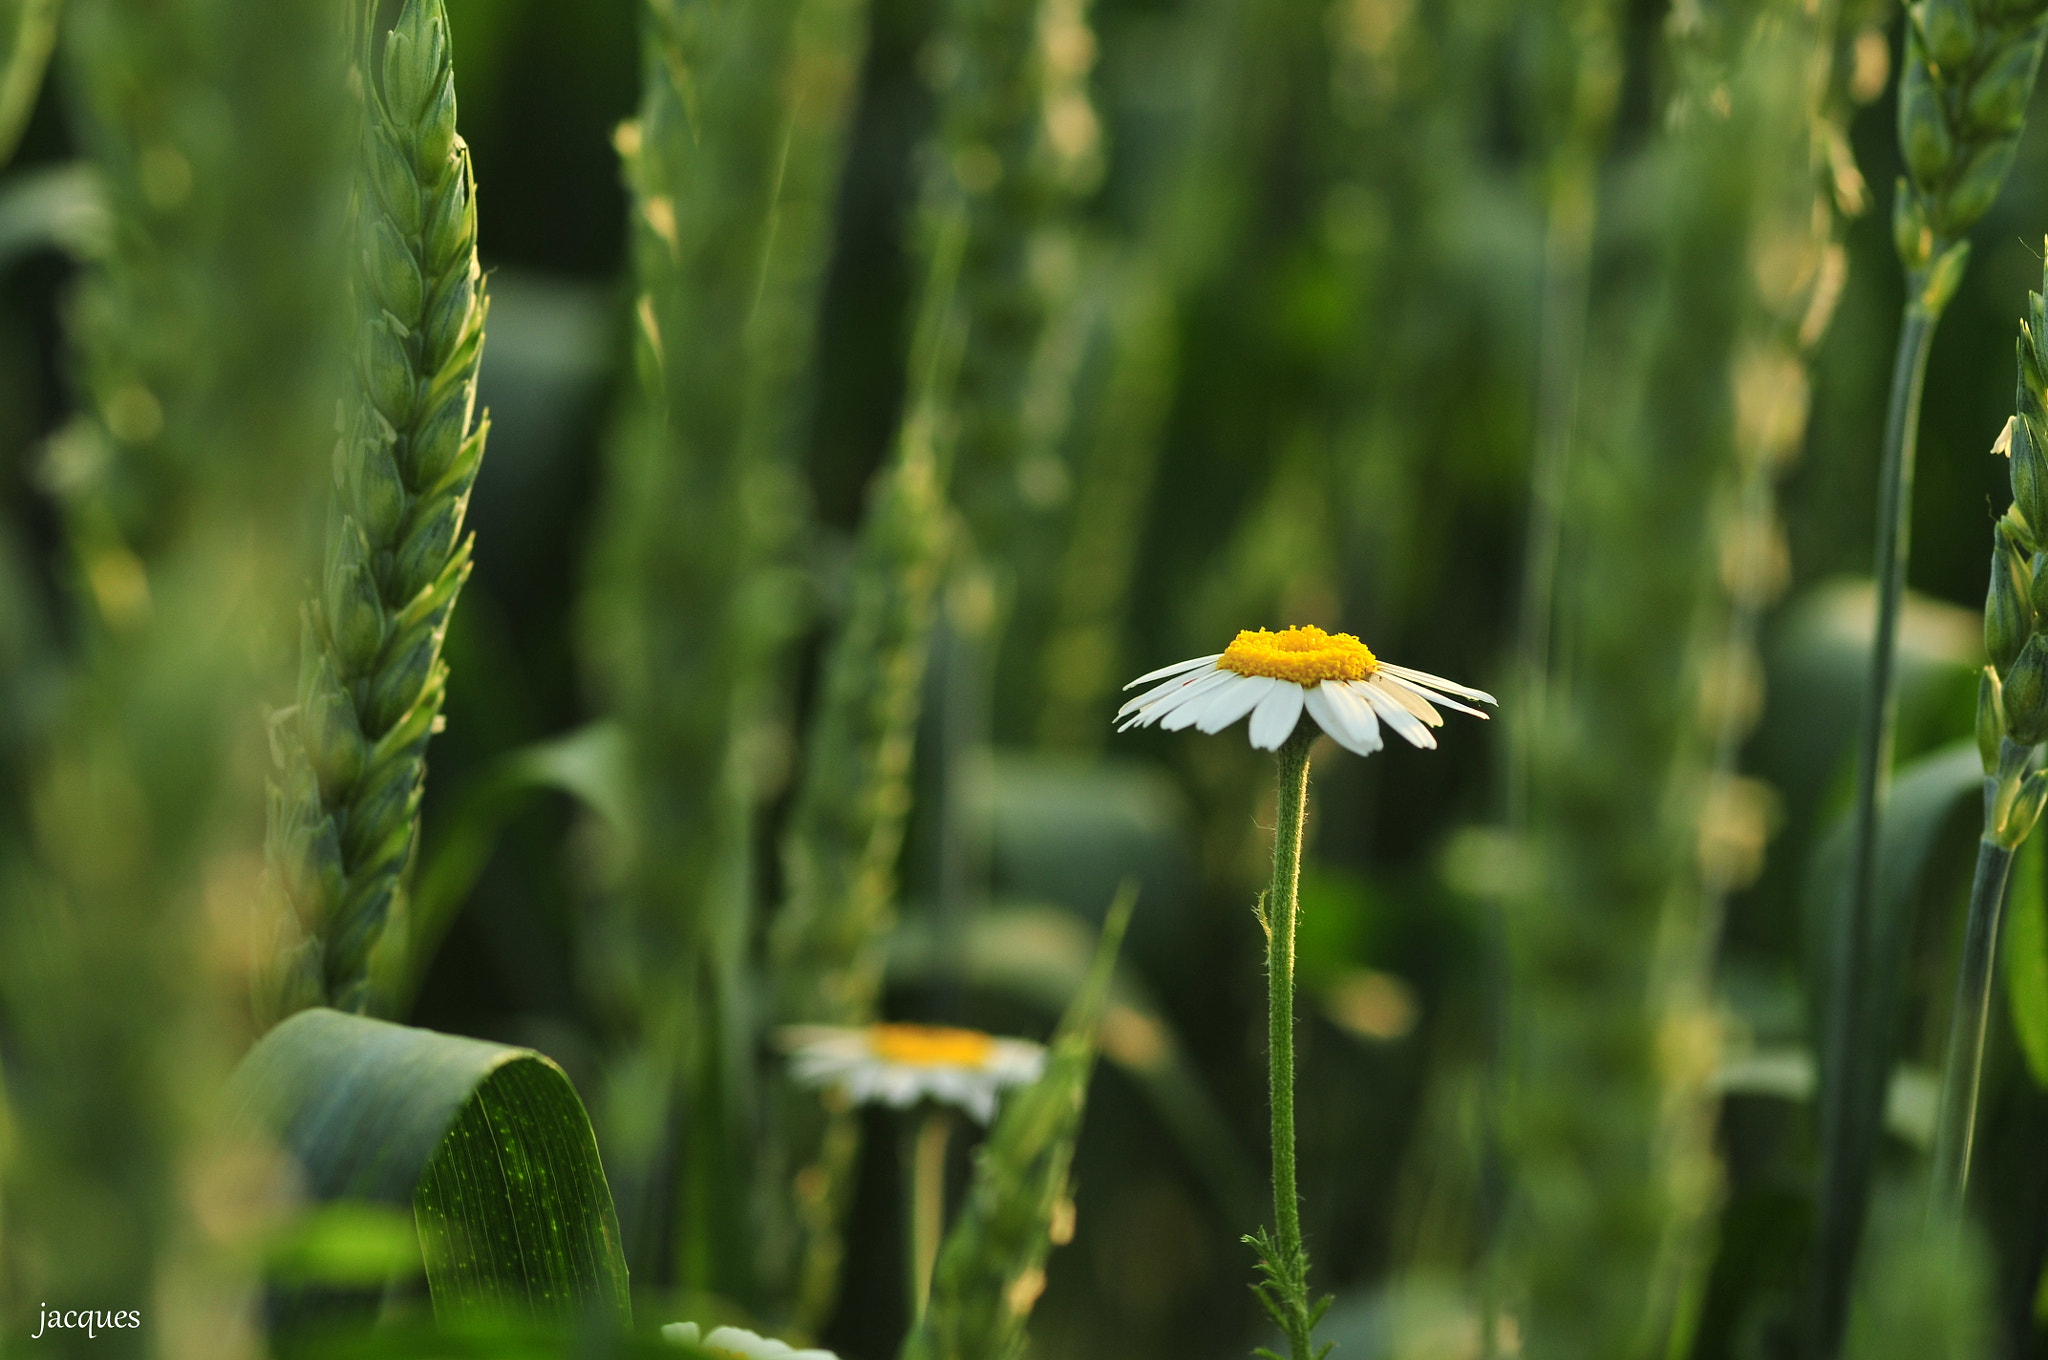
[
  {"x": 1963, "y": 91},
  {"x": 2012, "y": 722},
  {"x": 351, "y": 754}
]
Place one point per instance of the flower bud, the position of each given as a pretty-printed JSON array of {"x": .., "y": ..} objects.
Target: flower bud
[
  {"x": 448, "y": 318},
  {"x": 1949, "y": 29},
  {"x": 334, "y": 740},
  {"x": 315, "y": 878},
  {"x": 2008, "y": 617},
  {"x": 404, "y": 674},
  {"x": 379, "y": 496},
  {"x": 1911, "y": 236},
  {"x": 428, "y": 542},
  {"x": 435, "y": 139},
  {"x": 1997, "y": 102},
  {"x": 2033, "y": 376},
  {"x": 1976, "y": 189},
  {"x": 1924, "y": 136},
  {"x": 1943, "y": 276},
  {"x": 355, "y": 616},
  {"x": 357, "y": 928},
  {"x": 2029, "y": 473},
  {"x": 2014, "y": 526},
  {"x": 387, "y": 372},
  {"x": 392, "y": 177},
  {"x": 394, "y": 274},
  {"x": 2025, "y": 810},
  {"x": 414, "y": 54},
  {"x": 451, "y": 225},
  {"x": 1990, "y": 720},
  {"x": 432, "y": 450},
  {"x": 2025, "y": 694},
  {"x": 379, "y": 808},
  {"x": 2037, "y": 314}
]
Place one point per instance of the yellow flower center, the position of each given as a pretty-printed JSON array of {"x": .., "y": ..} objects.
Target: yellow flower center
[
  {"x": 930, "y": 1045},
  {"x": 1306, "y": 655}
]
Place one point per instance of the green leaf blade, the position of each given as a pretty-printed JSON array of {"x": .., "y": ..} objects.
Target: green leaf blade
[{"x": 487, "y": 1145}]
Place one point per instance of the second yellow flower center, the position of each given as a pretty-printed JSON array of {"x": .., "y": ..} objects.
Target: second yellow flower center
[
  {"x": 1305, "y": 655},
  {"x": 930, "y": 1045}
]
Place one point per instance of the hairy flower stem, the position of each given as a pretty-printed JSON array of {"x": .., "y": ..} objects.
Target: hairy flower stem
[
  {"x": 1963, "y": 1072},
  {"x": 927, "y": 1203},
  {"x": 1855, "y": 1071},
  {"x": 1284, "y": 1261}
]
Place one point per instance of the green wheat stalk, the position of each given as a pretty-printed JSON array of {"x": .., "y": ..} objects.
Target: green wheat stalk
[
  {"x": 205, "y": 347},
  {"x": 846, "y": 833},
  {"x": 1583, "y": 45},
  {"x": 1021, "y": 141},
  {"x": 846, "y": 830},
  {"x": 992, "y": 1267},
  {"x": 1020, "y": 145},
  {"x": 733, "y": 163},
  {"x": 351, "y": 754},
  {"x": 1119, "y": 435},
  {"x": 1010, "y": 72},
  {"x": 1612, "y": 1034},
  {"x": 1804, "y": 186},
  {"x": 1964, "y": 85}
]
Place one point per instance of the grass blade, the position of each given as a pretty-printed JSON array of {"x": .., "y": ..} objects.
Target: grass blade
[
  {"x": 733, "y": 164},
  {"x": 488, "y": 1146},
  {"x": 28, "y": 28},
  {"x": 992, "y": 1267}
]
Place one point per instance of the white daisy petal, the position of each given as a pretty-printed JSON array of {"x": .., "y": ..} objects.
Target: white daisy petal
[
  {"x": 1365, "y": 724},
  {"x": 1324, "y": 710},
  {"x": 1018, "y": 1062},
  {"x": 1181, "y": 693},
  {"x": 1274, "y": 719},
  {"x": 1273, "y": 676},
  {"x": 1232, "y": 702},
  {"x": 1438, "y": 682},
  {"x": 1158, "y": 691},
  {"x": 745, "y": 1345},
  {"x": 1431, "y": 695},
  {"x": 1408, "y": 698},
  {"x": 1189, "y": 713},
  {"x": 901, "y": 1065},
  {"x": 1393, "y": 715},
  {"x": 1175, "y": 669},
  {"x": 1193, "y": 690}
]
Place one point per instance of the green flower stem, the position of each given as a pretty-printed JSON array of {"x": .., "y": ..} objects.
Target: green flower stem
[
  {"x": 927, "y": 1203},
  {"x": 1285, "y": 1264},
  {"x": 1964, "y": 1070},
  {"x": 1855, "y": 1068}
]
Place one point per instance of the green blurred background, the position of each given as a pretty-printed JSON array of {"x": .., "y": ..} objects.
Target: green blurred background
[{"x": 1352, "y": 230}]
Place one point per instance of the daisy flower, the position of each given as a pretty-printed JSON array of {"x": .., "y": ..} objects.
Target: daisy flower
[
  {"x": 1274, "y": 677},
  {"x": 737, "y": 1343},
  {"x": 899, "y": 1065}
]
